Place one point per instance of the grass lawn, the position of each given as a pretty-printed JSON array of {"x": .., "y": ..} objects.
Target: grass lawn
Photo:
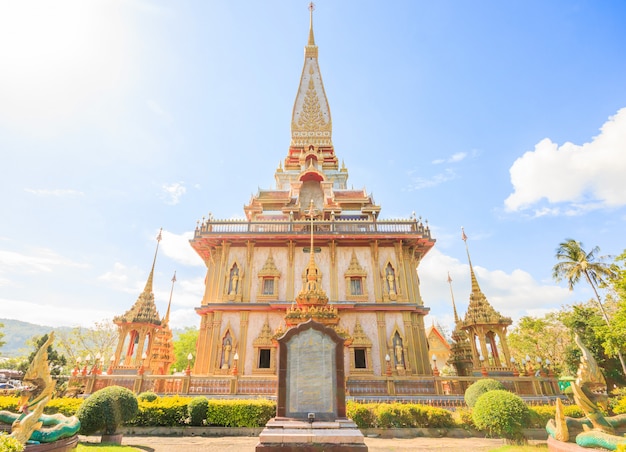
[
  {"x": 105, "y": 448},
  {"x": 529, "y": 448}
]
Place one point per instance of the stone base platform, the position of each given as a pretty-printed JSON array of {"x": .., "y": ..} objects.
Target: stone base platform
[{"x": 292, "y": 436}]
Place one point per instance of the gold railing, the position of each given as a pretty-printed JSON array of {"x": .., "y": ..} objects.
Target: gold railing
[
  {"x": 220, "y": 227},
  {"x": 392, "y": 387}
]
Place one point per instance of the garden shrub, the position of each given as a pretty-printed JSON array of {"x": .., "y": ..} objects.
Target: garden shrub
[
  {"x": 10, "y": 444},
  {"x": 8, "y": 403},
  {"x": 240, "y": 413},
  {"x": 363, "y": 414},
  {"x": 67, "y": 406},
  {"x": 147, "y": 396},
  {"x": 105, "y": 410},
  {"x": 480, "y": 387},
  {"x": 393, "y": 415},
  {"x": 503, "y": 414},
  {"x": 463, "y": 418},
  {"x": 197, "y": 410},
  {"x": 620, "y": 406},
  {"x": 163, "y": 412}
]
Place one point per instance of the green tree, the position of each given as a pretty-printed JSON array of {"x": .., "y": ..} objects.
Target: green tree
[
  {"x": 185, "y": 344},
  {"x": 585, "y": 319},
  {"x": 575, "y": 263},
  {"x": 546, "y": 337},
  {"x": 1, "y": 335},
  {"x": 97, "y": 340},
  {"x": 616, "y": 335},
  {"x": 56, "y": 360}
]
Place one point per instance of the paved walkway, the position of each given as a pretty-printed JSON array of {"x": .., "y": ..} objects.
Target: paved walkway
[{"x": 247, "y": 444}]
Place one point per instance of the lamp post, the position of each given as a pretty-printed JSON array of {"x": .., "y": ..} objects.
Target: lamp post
[
  {"x": 514, "y": 367},
  {"x": 143, "y": 359},
  {"x": 388, "y": 361},
  {"x": 435, "y": 370},
  {"x": 76, "y": 367},
  {"x": 235, "y": 360},
  {"x": 188, "y": 370},
  {"x": 539, "y": 372},
  {"x": 483, "y": 370},
  {"x": 111, "y": 363},
  {"x": 87, "y": 359}
]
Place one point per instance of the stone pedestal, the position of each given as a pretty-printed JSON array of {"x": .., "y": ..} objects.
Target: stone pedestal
[{"x": 292, "y": 435}]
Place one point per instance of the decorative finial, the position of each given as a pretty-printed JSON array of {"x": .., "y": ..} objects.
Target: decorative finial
[
  {"x": 311, "y": 37},
  {"x": 463, "y": 236},
  {"x": 159, "y": 237}
]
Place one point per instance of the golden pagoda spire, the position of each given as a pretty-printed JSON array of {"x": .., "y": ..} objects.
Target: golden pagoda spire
[
  {"x": 311, "y": 37},
  {"x": 148, "y": 287},
  {"x": 475, "y": 286},
  {"x": 479, "y": 309},
  {"x": 166, "y": 319},
  {"x": 310, "y": 121},
  {"x": 456, "y": 316}
]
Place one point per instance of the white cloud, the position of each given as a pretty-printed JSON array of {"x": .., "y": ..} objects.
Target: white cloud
[
  {"x": 58, "y": 192},
  {"x": 513, "y": 294},
  {"x": 177, "y": 247},
  {"x": 172, "y": 193},
  {"x": 419, "y": 182},
  {"x": 119, "y": 274},
  {"x": 454, "y": 158},
  {"x": 582, "y": 177},
  {"x": 52, "y": 315},
  {"x": 38, "y": 261}
]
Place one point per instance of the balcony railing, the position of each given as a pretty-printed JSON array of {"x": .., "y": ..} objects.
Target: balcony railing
[{"x": 338, "y": 226}]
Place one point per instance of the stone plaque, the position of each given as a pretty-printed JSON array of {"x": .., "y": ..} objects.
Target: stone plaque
[{"x": 311, "y": 373}]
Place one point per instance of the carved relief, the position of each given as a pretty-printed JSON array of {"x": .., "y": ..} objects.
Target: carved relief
[
  {"x": 399, "y": 353},
  {"x": 233, "y": 286},
  {"x": 390, "y": 283},
  {"x": 227, "y": 349}
]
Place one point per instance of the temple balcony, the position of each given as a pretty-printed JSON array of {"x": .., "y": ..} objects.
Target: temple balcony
[{"x": 411, "y": 232}]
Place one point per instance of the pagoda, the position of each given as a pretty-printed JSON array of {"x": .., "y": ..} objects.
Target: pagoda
[
  {"x": 486, "y": 331},
  {"x": 312, "y": 248}
]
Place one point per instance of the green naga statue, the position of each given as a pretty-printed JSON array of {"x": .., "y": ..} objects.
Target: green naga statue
[
  {"x": 32, "y": 425},
  {"x": 590, "y": 395}
]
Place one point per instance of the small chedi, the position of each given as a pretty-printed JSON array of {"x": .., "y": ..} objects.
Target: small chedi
[
  {"x": 31, "y": 425},
  {"x": 595, "y": 430}
]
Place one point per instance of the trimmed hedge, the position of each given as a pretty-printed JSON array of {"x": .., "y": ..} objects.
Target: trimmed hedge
[
  {"x": 197, "y": 410},
  {"x": 10, "y": 444},
  {"x": 398, "y": 415},
  {"x": 480, "y": 387},
  {"x": 147, "y": 396},
  {"x": 240, "y": 413},
  {"x": 107, "y": 409},
  {"x": 162, "y": 412},
  {"x": 502, "y": 414}
]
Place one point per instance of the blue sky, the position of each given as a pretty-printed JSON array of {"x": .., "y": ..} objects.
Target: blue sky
[{"x": 121, "y": 117}]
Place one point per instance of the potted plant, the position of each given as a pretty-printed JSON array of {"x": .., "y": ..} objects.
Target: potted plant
[{"x": 105, "y": 411}]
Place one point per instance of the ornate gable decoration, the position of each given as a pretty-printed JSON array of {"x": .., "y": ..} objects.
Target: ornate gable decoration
[
  {"x": 360, "y": 339},
  {"x": 355, "y": 276},
  {"x": 268, "y": 280}
]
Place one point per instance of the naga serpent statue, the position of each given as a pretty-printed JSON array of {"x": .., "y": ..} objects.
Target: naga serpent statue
[
  {"x": 590, "y": 394},
  {"x": 32, "y": 425}
]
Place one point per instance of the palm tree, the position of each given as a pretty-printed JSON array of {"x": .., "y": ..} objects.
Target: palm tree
[{"x": 575, "y": 263}]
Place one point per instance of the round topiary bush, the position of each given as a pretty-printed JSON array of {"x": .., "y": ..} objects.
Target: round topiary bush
[
  {"x": 105, "y": 410},
  {"x": 503, "y": 414},
  {"x": 479, "y": 388},
  {"x": 147, "y": 396},
  {"x": 197, "y": 411}
]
